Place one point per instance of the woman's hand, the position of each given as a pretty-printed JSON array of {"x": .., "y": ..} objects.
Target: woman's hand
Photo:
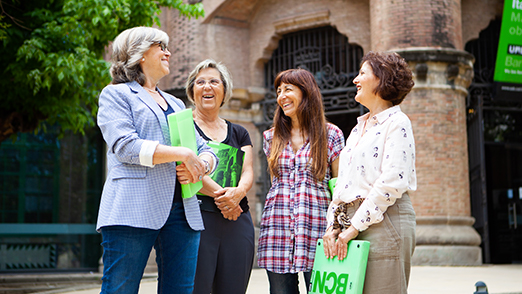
[
  {"x": 228, "y": 201},
  {"x": 341, "y": 245},
  {"x": 329, "y": 242},
  {"x": 229, "y": 197},
  {"x": 192, "y": 169},
  {"x": 232, "y": 214}
]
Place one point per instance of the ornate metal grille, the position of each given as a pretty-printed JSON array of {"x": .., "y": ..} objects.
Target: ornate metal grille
[
  {"x": 325, "y": 53},
  {"x": 332, "y": 60}
]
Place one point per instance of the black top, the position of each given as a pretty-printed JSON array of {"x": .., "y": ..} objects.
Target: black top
[
  {"x": 177, "y": 189},
  {"x": 237, "y": 136}
]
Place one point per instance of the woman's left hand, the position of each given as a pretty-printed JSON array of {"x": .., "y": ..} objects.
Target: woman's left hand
[
  {"x": 341, "y": 245},
  {"x": 229, "y": 200},
  {"x": 230, "y": 197},
  {"x": 232, "y": 214}
]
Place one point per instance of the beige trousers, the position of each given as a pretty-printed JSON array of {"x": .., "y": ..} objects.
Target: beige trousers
[{"x": 392, "y": 243}]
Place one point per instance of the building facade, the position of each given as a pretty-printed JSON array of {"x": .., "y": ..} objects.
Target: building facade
[
  {"x": 447, "y": 45},
  {"x": 468, "y": 135}
]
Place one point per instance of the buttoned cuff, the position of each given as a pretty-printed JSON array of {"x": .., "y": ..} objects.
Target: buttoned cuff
[
  {"x": 366, "y": 215},
  {"x": 147, "y": 152}
]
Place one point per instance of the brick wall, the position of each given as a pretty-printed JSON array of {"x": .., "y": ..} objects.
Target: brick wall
[
  {"x": 413, "y": 23},
  {"x": 243, "y": 34},
  {"x": 184, "y": 47},
  {"x": 439, "y": 127}
]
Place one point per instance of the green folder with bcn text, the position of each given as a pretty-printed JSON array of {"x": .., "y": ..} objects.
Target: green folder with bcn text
[
  {"x": 182, "y": 133},
  {"x": 331, "y": 275}
]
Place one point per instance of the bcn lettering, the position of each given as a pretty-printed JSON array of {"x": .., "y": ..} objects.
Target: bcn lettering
[{"x": 329, "y": 283}]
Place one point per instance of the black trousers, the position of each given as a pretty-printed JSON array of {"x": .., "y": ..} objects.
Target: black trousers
[{"x": 226, "y": 254}]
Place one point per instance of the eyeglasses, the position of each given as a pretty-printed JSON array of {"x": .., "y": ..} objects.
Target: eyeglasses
[
  {"x": 212, "y": 82},
  {"x": 162, "y": 46}
]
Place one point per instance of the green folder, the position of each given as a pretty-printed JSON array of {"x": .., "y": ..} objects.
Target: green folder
[
  {"x": 340, "y": 276},
  {"x": 228, "y": 172},
  {"x": 331, "y": 184},
  {"x": 182, "y": 133}
]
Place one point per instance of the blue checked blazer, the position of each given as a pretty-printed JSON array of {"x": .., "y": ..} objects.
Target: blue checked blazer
[{"x": 136, "y": 195}]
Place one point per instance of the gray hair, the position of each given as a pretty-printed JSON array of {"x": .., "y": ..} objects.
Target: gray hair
[
  {"x": 226, "y": 78},
  {"x": 127, "y": 51}
]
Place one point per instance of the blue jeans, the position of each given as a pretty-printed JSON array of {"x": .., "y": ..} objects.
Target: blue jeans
[
  {"x": 286, "y": 283},
  {"x": 127, "y": 249}
]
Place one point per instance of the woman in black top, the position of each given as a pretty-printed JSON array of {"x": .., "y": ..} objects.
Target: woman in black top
[{"x": 226, "y": 250}]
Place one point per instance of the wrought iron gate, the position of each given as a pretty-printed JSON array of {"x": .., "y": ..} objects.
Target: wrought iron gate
[
  {"x": 492, "y": 121},
  {"x": 331, "y": 59}
]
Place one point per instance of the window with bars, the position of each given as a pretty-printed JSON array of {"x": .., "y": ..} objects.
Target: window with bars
[{"x": 50, "y": 188}]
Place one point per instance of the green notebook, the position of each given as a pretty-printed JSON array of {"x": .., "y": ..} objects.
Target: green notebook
[
  {"x": 331, "y": 184},
  {"x": 340, "y": 276},
  {"x": 228, "y": 172},
  {"x": 182, "y": 133}
]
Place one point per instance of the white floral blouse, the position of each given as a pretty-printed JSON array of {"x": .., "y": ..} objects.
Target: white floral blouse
[{"x": 378, "y": 166}]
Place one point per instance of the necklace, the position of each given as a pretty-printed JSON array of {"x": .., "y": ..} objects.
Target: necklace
[
  {"x": 151, "y": 91},
  {"x": 216, "y": 131}
]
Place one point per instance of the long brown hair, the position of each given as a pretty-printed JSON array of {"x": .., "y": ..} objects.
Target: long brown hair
[{"x": 310, "y": 114}]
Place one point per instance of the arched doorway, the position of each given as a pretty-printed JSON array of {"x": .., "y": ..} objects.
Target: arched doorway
[{"x": 333, "y": 61}]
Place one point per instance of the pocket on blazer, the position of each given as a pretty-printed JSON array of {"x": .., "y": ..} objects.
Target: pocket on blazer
[{"x": 128, "y": 172}]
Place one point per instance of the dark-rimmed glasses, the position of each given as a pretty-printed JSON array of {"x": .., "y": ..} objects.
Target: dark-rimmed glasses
[{"x": 162, "y": 46}]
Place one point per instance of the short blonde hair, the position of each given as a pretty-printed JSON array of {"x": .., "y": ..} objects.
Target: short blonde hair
[
  {"x": 127, "y": 51},
  {"x": 226, "y": 78}
]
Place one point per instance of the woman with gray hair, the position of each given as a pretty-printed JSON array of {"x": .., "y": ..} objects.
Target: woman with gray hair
[
  {"x": 226, "y": 251},
  {"x": 141, "y": 204}
]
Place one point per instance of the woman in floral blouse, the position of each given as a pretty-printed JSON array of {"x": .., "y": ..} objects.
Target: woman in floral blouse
[
  {"x": 376, "y": 175},
  {"x": 302, "y": 151}
]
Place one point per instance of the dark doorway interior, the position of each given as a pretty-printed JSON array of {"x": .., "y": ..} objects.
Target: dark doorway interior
[
  {"x": 495, "y": 155},
  {"x": 504, "y": 180}
]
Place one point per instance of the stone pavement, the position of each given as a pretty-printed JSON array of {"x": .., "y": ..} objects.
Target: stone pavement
[{"x": 500, "y": 279}]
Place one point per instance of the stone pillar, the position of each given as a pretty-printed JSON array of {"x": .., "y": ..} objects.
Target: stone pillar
[
  {"x": 415, "y": 23},
  {"x": 436, "y": 106}
]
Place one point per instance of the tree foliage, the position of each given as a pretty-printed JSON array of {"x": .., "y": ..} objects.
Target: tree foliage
[{"x": 51, "y": 59}]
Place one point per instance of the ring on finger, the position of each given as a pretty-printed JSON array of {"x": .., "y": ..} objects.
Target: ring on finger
[{"x": 200, "y": 177}]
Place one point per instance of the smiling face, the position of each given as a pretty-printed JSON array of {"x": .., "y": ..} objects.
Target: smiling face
[
  {"x": 289, "y": 97},
  {"x": 209, "y": 90},
  {"x": 366, "y": 83},
  {"x": 156, "y": 62}
]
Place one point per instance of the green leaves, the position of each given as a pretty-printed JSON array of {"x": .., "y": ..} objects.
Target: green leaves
[{"x": 51, "y": 61}]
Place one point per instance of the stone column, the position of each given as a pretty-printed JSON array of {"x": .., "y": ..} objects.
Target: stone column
[
  {"x": 436, "y": 106},
  {"x": 415, "y": 23}
]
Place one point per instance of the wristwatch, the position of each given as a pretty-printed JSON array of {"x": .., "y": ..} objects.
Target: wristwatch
[{"x": 207, "y": 166}]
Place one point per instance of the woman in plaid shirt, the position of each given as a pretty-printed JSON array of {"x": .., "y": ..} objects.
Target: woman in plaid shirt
[{"x": 302, "y": 150}]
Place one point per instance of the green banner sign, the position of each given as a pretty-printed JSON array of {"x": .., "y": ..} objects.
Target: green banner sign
[{"x": 508, "y": 68}]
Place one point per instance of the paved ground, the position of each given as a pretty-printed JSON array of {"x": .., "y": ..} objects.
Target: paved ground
[{"x": 500, "y": 279}]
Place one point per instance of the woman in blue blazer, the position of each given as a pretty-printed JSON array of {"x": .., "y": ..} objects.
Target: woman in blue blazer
[{"x": 141, "y": 204}]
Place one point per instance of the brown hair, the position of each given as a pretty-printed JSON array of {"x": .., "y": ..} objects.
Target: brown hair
[
  {"x": 310, "y": 114},
  {"x": 395, "y": 77}
]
